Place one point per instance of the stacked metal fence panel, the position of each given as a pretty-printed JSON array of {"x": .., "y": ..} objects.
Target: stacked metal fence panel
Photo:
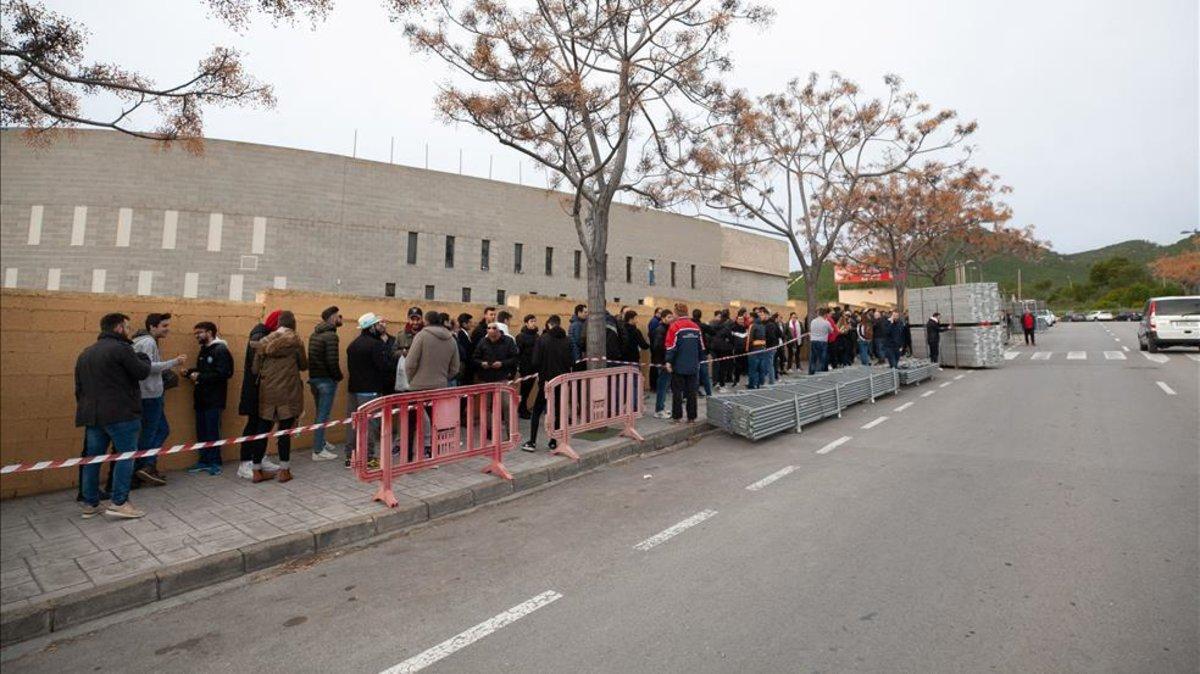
[
  {"x": 965, "y": 303},
  {"x": 798, "y": 401},
  {"x": 914, "y": 370},
  {"x": 966, "y": 345}
]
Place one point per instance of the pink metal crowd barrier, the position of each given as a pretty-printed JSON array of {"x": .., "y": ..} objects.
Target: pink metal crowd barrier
[
  {"x": 581, "y": 401},
  {"x": 462, "y": 422}
]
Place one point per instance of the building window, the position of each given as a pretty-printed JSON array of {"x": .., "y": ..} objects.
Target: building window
[
  {"x": 485, "y": 255},
  {"x": 428, "y": 292},
  {"x": 578, "y": 263},
  {"x": 650, "y": 273},
  {"x": 672, "y": 274},
  {"x": 518, "y": 254},
  {"x": 549, "y": 261},
  {"x": 412, "y": 247},
  {"x": 389, "y": 290},
  {"x": 628, "y": 269},
  {"x": 449, "y": 252},
  {"x": 693, "y": 273},
  {"x": 501, "y": 298},
  {"x": 466, "y": 295}
]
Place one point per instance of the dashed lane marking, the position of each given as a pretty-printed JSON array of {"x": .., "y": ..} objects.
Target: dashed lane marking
[
  {"x": 771, "y": 478},
  {"x": 1124, "y": 348},
  {"x": 674, "y": 530},
  {"x": 873, "y": 423},
  {"x": 464, "y": 639},
  {"x": 959, "y": 377},
  {"x": 944, "y": 384},
  {"x": 904, "y": 406},
  {"x": 834, "y": 445},
  {"x": 1114, "y": 355},
  {"x": 927, "y": 394},
  {"x": 1166, "y": 389},
  {"x": 1156, "y": 357}
]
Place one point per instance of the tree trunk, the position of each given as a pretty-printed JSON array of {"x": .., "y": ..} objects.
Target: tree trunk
[
  {"x": 811, "y": 275},
  {"x": 597, "y": 309},
  {"x": 938, "y": 278},
  {"x": 901, "y": 287}
]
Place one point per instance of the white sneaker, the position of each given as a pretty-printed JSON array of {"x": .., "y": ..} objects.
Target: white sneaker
[
  {"x": 324, "y": 455},
  {"x": 246, "y": 470},
  {"x": 662, "y": 415},
  {"x": 270, "y": 465}
]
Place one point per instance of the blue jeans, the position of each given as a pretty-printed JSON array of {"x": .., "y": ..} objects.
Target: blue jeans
[
  {"x": 124, "y": 437},
  {"x": 893, "y": 356},
  {"x": 864, "y": 352},
  {"x": 208, "y": 427},
  {"x": 155, "y": 430},
  {"x": 323, "y": 390},
  {"x": 759, "y": 368},
  {"x": 661, "y": 385},
  {"x": 880, "y": 348},
  {"x": 818, "y": 357},
  {"x": 705, "y": 378}
]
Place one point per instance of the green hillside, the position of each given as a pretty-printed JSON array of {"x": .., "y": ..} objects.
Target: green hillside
[{"x": 1053, "y": 277}]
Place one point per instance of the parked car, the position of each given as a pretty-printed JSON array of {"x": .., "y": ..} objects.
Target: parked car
[
  {"x": 1170, "y": 321},
  {"x": 1078, "y": 317},
  {"x": 1129, "y": 316},
  {"x": 1100, "y": 316}
]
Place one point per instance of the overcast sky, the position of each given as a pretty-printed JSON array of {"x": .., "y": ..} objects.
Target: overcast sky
[{"x": 1089, "y": 109}]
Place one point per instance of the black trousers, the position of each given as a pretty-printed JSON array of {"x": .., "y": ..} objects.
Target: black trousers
[
  {"x": 683, "y": 386},
  {"x": 539, "y": 408},
  {"x": 933, "y": 352},
  {"x": 285, "y": 441},
  {"x": 1029, "y": 338},
  {"x": 246, "y": 452},
  {"x": 526, "y": 387}
]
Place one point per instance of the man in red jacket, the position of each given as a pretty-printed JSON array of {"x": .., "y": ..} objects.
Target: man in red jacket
[{"x": 1028, "y": 323}]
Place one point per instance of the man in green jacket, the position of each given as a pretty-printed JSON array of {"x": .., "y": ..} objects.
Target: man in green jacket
[{"x": 324, "y": 373}]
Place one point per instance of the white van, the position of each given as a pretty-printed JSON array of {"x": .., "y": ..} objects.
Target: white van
[{"x": 1170, "y": 321}]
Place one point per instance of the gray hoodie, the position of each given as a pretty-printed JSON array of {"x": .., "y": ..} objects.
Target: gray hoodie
[
  {"x": 152, "y": 386},
  {"x": 432, "y": 359}
]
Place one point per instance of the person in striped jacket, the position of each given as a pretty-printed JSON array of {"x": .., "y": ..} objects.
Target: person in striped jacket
[{"x": 685, "y": 352}]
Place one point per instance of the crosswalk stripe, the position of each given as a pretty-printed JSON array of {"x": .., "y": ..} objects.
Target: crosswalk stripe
[
  {"x": 1194, "y": 356},
  {"x": 1009, "y": 355},
  {"x": 1042, "y": 355},
  {"x": 1077, "y": 355},
  {"x": 1156, "y": 357},
  {"x": 1114, "y": 355}
]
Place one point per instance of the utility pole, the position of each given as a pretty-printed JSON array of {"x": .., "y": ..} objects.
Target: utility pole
[
  {"x": 426, "y": 156},
  {"x": 354, "y": 152},
  {"x": 490, "y": 157},
  {"x": 392, "y": 151},
  {"x": 460, "y": 161},
  {"x": 1020, "y": 295}
]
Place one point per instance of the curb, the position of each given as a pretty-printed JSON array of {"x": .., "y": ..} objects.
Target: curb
[{"x": 21, "y": 623}]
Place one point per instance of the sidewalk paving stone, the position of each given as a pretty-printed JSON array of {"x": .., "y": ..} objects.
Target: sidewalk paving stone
[{"x": 51, "y": 555}]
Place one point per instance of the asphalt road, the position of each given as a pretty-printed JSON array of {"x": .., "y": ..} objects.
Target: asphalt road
[{"x": 1039, "y": 517}]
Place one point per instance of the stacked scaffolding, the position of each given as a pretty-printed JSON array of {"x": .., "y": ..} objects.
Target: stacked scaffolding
[
  {"x": 915, "y": 370},
  {"x": 977, "y": 314},
  {"x": 796, "y": 403}
]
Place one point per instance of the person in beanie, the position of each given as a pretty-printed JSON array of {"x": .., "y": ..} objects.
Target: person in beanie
[
  {"x": 685, "y": 351},
  {"x": 214, "y": 368},
  {"x": 108, "y": 405},
  {"x": 324, "y": 373},
  {"x": 404, "y": 340},
  {"x": 279, "y": 358},
  {"x": 155, "y": 429},
  {"x": 248, "y": 400},
  {"x": 551, "y": 358},
  {"x": 526, "y": 341}
]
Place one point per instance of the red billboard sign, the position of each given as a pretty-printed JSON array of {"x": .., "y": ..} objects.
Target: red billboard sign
[{"x": 857, "y": 274}]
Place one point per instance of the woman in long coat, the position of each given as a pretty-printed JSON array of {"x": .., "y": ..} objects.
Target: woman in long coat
[{"x": 279, "y": 358}]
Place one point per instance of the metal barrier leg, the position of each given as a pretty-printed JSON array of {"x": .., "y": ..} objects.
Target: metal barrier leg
[
  {"x": 385, "y": 494},
  {"x": 497, "y": 466},
  {"x": 568, "y": 415}
]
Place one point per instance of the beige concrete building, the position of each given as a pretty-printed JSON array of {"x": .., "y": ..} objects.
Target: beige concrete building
[{"x": 101, "y": 212}]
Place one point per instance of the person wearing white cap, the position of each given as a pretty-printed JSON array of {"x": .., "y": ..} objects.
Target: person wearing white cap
[{"x": 370, "y": 367}]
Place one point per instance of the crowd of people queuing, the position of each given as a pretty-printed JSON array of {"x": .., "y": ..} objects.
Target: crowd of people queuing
[{"x": 121, "y": 380}]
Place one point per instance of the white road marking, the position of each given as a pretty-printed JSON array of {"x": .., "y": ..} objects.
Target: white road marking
[
  {"x": 1077, "y": 355},
  {"x": 1156, "y": 357},
  {"x": 959, "y": 377},
  {"x": 904, "y": 406},
  {"x": 674, "y": 530},
  {"x": 874, "y": 422},
  {"x": 944, "y": 384},
  {"x": 1009, "y": 355},
  {"x": 1116, "y": 339},
  {"x": 927, "y": 394},
  {"x": 834, "y": 445},
  {"x": 1114, "y": 355},
  {"x": 1126, "y": 348},
  {"x": 1166, "y": 389},
  {"x": 1193, "y": 356},
  {"x": 464, "y": 639},
  {"x": 771, "y": 478},
  {"x": 1042, "y": 355}
]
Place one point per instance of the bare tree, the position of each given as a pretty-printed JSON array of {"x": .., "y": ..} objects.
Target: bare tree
[
  {"x": 794, "y": 163},
  {"x": 44, "y": 78},
  {"x": 914, "y": 214},
  {"x": 576, "y": 86}
]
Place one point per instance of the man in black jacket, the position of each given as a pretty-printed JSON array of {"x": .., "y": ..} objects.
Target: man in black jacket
[
  {"x": 465, "y": 346},
  {"x": 324, "y": 373},
  {"x": 108, "y": 405},
  {"x": 551, "y": 358},
  {"x": 526, "y": 341},
  {"x": 495, "y": 356},
  {"x": 214, "y": 368},
  {"x": 372, "y": 373},
  {"x": 933, "y": 337}
]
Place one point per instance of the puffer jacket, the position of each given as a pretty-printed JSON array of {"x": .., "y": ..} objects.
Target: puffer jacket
[
  {"x": 323, "y": 353},
  {"x": 279, "y": 358},
  {"x": 432, "y": 359}
]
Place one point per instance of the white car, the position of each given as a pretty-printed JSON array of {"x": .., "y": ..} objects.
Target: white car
[
  {"x": 1170, "y": 321},
  {"x": 1100, "y": 316}
]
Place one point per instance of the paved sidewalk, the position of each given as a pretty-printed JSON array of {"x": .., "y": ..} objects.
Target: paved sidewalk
[{"x": 50, "y": 556}]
